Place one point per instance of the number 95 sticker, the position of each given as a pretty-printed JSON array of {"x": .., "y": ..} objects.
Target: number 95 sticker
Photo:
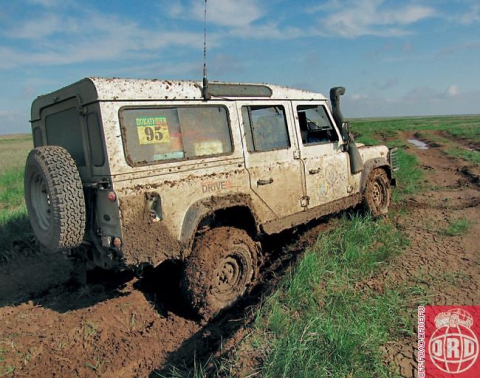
[{"x": 152, "y": 130}]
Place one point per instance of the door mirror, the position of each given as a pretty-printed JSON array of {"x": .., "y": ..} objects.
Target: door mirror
[{"x": 345, "y": 131}]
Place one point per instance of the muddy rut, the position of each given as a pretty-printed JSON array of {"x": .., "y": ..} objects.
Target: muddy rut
[{"x": 122, "y": 326}]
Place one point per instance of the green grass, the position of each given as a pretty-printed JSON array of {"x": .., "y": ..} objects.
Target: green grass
[
  {"x": 470, "y": 131},
  {"x": 320, "y": 323},
  {"x": 468, "y": 155},
  {"x": 387, "y": 128},
  {"x": 409, "y": 176},
  {"x": 458, "y": 227},
  {"x": 11, "y": 190},
  {"x": 16, "y": 236},
  {"x": 5, "y": 370},
  {"x": 13, "y": 151}
]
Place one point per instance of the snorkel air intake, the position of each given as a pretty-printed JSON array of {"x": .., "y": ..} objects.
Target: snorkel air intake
[{"x": 356, "y": 161}]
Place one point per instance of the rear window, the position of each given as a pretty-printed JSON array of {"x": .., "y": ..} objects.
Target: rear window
[
  {"x": 63, "y": 129},
  {"x": 159, "y": 134}
]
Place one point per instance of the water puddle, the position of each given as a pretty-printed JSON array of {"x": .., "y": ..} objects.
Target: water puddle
[{"x": 418, "y": 143}]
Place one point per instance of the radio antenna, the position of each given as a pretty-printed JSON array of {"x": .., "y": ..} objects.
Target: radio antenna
[{"x": 206, "y": 95}]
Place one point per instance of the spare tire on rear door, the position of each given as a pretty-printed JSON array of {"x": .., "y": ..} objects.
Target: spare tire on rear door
[{"x": 54, "y": 197}]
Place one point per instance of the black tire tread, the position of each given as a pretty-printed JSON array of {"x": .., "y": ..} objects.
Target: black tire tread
[{"x": 66, "y": 197}]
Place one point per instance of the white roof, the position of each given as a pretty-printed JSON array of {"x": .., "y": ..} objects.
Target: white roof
[
  {"x": 140, "y": 89},
  {"x": 94, "y": 89}
]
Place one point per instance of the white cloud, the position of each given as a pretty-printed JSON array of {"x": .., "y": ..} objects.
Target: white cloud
[
  {"x": 390, "y": 83},
  {"x": 90, "y": 37},
  {"x": 429, "y": 95},
  {"x": 242, "y": 19},
  {"x": 419, "y": 101},
  {"x": 471, "y": 16},
  {"x": 12, "y": 58},
  {"x": 36, "y": 29},
  {"x": 358, "y": 97},
  {"x": 229, "y": 13},
  {"x": 452, "y": 91},
  {"x": 46, "y": 3},
  {"x": 458, "y": 49},
  {"x": 353, "y": 19}
]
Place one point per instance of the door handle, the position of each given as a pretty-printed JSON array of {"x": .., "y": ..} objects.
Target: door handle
[
  {"x": 264, "y": 182},
  {"x": 314, "y": 171}
]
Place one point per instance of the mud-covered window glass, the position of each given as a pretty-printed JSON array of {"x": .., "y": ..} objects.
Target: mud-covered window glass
[
  {"x": 169, "y": 133},
  {"x": 315, "y": 125},
  {"x": 265, "y": 128},
  {"x": 63, "y": 129}
]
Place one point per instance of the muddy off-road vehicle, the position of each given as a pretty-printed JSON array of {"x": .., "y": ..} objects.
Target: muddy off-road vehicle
[{"x": 131, "y": 173}]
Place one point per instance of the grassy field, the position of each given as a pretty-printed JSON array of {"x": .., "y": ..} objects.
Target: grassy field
[
  {"x": 461, "y": 128},
  {"x": 13, "y": 216}
]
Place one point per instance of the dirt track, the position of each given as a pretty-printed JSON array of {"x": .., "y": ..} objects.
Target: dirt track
[{"x": 127, "y": 328}]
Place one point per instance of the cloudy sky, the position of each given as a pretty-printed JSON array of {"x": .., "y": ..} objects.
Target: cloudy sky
[{"x": 396, "y": 58}]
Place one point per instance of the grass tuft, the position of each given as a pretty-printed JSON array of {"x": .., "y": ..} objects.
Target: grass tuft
[
  {"x": 458, "y": 227},
  {"x": 467, "y": 155}
]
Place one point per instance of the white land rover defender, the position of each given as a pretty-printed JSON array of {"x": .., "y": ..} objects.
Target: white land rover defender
[{"x": 128, "y": 173}]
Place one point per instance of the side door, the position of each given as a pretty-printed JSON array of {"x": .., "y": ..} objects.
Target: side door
[
  {"x": 325, "y": 163},
  {"x": 271, "y": 157}
]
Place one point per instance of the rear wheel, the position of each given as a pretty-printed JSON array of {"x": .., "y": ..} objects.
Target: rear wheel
[
  {"x": 221, "y": 267},
  {"x": 378, "y": 193},
  {"x": 54, "y": 197}
]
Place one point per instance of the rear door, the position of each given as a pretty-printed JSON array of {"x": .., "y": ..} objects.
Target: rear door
[{"x": 271, "y": 156}]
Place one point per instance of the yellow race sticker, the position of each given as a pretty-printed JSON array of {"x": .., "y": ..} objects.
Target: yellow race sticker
[{"x": 152, "y": 130}]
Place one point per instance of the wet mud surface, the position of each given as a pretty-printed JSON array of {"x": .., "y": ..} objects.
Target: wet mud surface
[{"x": 122, "y": 326}]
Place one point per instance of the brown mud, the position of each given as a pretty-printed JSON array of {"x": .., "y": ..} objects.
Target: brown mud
[
  {"x": 143, "y": 231},
  {"x": 122, "y": 326}
]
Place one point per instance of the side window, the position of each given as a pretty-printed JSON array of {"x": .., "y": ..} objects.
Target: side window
[
  {"x": 265, "y": 128},
  {"x": 315, "y": 125},
  {"x": 172, "y": 133}
]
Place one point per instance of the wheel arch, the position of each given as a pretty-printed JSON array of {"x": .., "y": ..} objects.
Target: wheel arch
[
  {"x": 370, "y": 165},
  {"x": 232, "y": 210}
]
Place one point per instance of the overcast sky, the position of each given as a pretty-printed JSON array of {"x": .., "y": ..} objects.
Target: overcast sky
[{"x": 396, "y": 58}]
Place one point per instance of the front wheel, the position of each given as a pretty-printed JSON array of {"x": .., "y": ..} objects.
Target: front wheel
[
  {"x": 222, "y": 265},
  {"x": 378, "y": 193}
]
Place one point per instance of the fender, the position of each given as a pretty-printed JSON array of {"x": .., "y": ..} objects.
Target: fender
[
  {"x": 370, "y": 165},
  {"x": 205, "y": 207}
]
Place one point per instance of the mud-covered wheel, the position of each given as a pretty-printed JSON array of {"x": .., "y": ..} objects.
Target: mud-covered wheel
[
  {"x": 378, "y": 193},
  {"x": 54, "y": 197},
  {"x": 220, "y": 269}
]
